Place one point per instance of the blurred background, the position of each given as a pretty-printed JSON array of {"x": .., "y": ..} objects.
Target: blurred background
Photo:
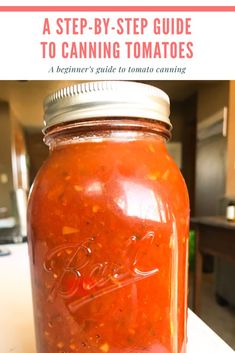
[{"x": 203, "y": 145}]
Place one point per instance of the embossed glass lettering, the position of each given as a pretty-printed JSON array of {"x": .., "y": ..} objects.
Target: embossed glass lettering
[{"x": 98, "y": 278}]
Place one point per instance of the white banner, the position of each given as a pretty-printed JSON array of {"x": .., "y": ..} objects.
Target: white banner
[{"x": 122, "y": 42}]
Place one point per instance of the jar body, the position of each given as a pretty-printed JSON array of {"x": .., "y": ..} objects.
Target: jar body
[{"x": 108, "y": 231}]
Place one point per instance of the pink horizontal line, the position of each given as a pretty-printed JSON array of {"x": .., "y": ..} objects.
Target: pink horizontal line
[{"x": 117, "y": 8}]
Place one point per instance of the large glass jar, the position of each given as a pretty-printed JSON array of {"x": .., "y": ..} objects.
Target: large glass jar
[{"x": 108, "y": 225}]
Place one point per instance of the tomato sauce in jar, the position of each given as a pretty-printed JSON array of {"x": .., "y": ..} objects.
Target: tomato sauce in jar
[{"x": 108, "y": 225}]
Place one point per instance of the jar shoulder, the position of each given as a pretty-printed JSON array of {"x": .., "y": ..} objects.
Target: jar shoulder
[{"x": 136, "y": 173}]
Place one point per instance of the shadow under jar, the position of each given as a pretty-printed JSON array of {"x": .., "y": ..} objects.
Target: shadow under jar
[{"x": 108, "y": 225}]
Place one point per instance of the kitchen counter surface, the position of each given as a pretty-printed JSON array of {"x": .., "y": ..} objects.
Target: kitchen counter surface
[
  {"x": 218, "y": 221},
  {"x": 16, "y": 318}
]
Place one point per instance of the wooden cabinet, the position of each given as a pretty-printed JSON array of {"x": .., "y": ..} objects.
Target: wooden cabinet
[{"x": 230, "y": 175}]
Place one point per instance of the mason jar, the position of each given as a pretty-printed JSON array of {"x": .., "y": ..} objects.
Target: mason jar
[{"x": 108, "y": 222}]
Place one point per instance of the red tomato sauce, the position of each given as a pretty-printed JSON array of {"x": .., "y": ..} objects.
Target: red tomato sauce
[{"x": 108, "y": 231}]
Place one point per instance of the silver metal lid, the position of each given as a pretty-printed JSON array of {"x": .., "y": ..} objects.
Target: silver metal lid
[{"x": 106, "y": 99}]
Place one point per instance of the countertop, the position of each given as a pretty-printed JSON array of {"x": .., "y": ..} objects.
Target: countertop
[
  {"x": 16, "y": 318},
  {"x": 218, "y": 221}
]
